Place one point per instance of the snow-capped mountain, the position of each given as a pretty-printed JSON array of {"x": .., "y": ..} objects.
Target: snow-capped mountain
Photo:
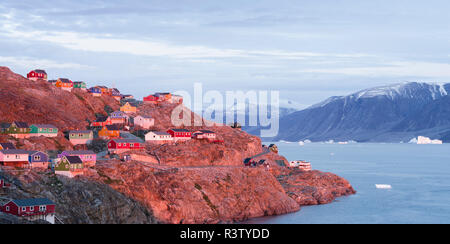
[{"x": 384, "y": 114}]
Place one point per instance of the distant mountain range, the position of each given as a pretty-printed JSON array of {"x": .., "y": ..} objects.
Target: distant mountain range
[{"x": 383, "y": 114}]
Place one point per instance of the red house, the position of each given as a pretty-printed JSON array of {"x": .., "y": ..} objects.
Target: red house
[
  {"x": 124, "y": 145},
  {"x": 31, "y": 209},
  {"x": 180, "y": 134},
  {"x": 3, "y": 184},
  {"x": 151, "y": 99},
  {"x": 101, "y": 121},
  {"x": 37, "y": 74}
]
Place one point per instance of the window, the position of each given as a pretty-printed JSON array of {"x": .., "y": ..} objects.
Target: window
[
  {"x": 31, "y": 208},
  {"x": 37, "y": 157},
  {"x": 24, "y": 209},
  {"x": 7, "y": 208},
  {"x": 17, "y": 156},
  {"x": 42, "y": 208}
]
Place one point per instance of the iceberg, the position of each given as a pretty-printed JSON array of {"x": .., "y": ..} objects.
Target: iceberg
[
  {"x": 425, "y": 140},
  {"x": 383, "y": 186}
]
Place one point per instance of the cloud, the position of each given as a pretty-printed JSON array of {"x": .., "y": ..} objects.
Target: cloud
[
  {"x": 32, "y": 63},
  {"x": 394, "y": 69}
]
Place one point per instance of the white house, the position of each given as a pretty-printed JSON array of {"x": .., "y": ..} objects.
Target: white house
[
  {"x": 303, "y": 165},
  {"x": 158, "y": 137},
  {"x": 204, "y": 134},
  {"x": 144, "y": 121}
]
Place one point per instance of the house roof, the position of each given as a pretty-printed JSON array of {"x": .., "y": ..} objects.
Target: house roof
[
  {"x": 160, "y": 133},
  {"x": 52, "y": 81},
  {"x": 65, "y": 80},
  {"x": 144, "y": 116},
  {"x": 112, "y": 127},
  {"x": 34, "y": 152},
  {"x": 14, "y": 151},
  {"x": 47, "y": 126},
  {"x": 207, "y": 131},
  {"x": 126, "y": 140},
  {"x": 21, "y": 124},
  {"x": 79, "y": 82},
  {"x": 40, "y": 71},
  {"x": 84, "y": 152},
  {"x": 80, "y": 131},
  {"x": 74, "y": 160},
  {"x": 7, "y": 145},
  {"x": 179, "y": 130},
  {"x": 5, "y": 125},
  {"x": 33, "y": 202},
  {"x": 101, "y": 119}
]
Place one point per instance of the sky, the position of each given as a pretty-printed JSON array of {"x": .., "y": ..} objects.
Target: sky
[{"x": 308, "y": 50}]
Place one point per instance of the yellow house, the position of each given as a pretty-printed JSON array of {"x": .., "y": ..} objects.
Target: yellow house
[{"x": 127, "y": 108}]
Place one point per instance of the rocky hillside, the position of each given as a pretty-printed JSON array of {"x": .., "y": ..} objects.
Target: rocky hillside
[
  {"x": 42, "y": 103},
  {"x": 79, "y": 201}
]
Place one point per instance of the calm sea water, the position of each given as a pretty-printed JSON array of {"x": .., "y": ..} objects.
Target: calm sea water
[{"x": 419, "y": 175}]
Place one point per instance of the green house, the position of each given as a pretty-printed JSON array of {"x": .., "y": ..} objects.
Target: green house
[
  {"x": 79, "y": 84},
  {"x": 69, "y": 163},
  {"x": 17, "y": 128},
  {"x": 44, "y": 130}
]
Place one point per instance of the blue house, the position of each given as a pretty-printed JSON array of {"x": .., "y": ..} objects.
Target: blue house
[
  {"x": 38, "y": 159},
  {"x": 95, "y": 91}
]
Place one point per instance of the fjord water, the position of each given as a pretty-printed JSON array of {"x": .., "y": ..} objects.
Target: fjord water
[{"x": 419, "y": 175}]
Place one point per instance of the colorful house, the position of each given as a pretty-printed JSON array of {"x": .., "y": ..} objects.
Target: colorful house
[
  {"x": 204, "y": 134},
  {"x": 14, "y": 158},
  {"x": 18, "y": 129},
  {"x": 151, "y": 99},
  {"x": 115, "y": 93},
  {"x": 144, "y": 121},
  {"x": 89, "y": 158},
  {"x": 38, "y": 159},
  {"x": 31, "y": 209},
  {"x": 164, "y": 96},
  {"x": 105, "y": 90},
  {"x": 127, "y": 108},
  {"x": 80, "y": 137},
  {"x": 119, "y": 117},
  {"x": 64, "y": 84},
  {"x": 79, "y": 85},
  {"x": 101, "y": 121},
  {"x": 177, "y": 99},
  {"x": 95, "y": 91},
  {"x": 127, "y": 97},
  {"x": 109, "y": 132},
  {"x": 69, "y": 166},
  {"x": 6, "y": 146},
  {"x": 37, "y": 74},
  {"x": 180, "y": 134},
  {"x": 301, "y": 164},
  {"x": 43, "y": 130},
  {"x": 53, "y": 82},
  {"x": 124, "y": 145},
  {"x": 3, "y": 184},
  {"x": 158, "y": 137}
]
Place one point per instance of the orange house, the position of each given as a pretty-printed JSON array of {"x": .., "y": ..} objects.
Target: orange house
[
  {"x": 127, "y": 108},
  {"x": 64, "y": 84},
  {"x": 109, "y": 132}
]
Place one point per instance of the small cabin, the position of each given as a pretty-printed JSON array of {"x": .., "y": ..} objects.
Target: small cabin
[
  {"x": 180, "y": 134},
  {"x": 64, "y": 84},
  {"x": 37, "y": 74},
  {"x": 151, "y": 99},
  {"x": 123, "y": 145},
  {"x": 119, "y": 117},
  {"x": 17, "y": 129},
  {"x": 109, "y": 132},
  {"x": 38, "y": 159},
  {"x": 79, "y": 85},
  {"x": 88, "y": 157},
  {"x": 45, "y": 130},
  {"x": 69, "y": 166},
  {"x": 144, "y": 121},
  {"x": 95, "y": 91},
  {"x": 31, "y": 209},
  {"x": 160, "y": 137},
  {"x": 81, "y": 137},
  {"x": 14, "y": 158},
  {"x": 101, "y": 121},
  {"x": 204, "y": 134},
  {"x": 128, "y": 108}
]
